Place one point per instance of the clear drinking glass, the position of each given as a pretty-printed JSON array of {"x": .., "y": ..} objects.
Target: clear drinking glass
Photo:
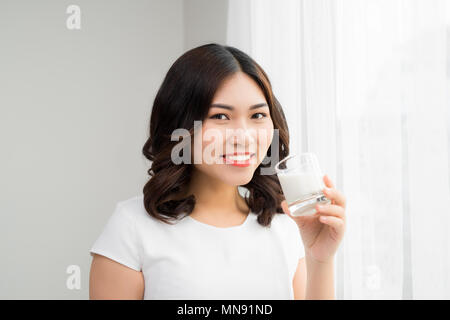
[{"x": 302, "y": 182}]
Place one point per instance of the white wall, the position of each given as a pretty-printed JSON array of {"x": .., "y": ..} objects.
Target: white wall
[
  {"x": 204, "y": 21},
  {"x": 74, "y": 110}
]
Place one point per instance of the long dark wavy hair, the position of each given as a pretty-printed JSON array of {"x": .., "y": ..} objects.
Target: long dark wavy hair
[{"x": 186, "y": 95}]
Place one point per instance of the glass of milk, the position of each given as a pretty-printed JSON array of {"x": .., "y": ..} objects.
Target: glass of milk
[{"x": 302, "y": 182}]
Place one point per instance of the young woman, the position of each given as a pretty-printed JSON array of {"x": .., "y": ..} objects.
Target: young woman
[{"x": 191, "y": 234}]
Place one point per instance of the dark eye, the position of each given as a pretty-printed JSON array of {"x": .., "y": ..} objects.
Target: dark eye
[
  {"x": 263, "y": 115},
  {"x": 216, "y": 116}
]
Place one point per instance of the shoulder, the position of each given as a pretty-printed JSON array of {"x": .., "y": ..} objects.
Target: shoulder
[
  {"x": 132, "y": 206},
  {"x": 135, "y": 210},
  {"x": 284, "y": 221},
  {"x": 285, "y": 225},
  {"x": 124, "y": 215}
]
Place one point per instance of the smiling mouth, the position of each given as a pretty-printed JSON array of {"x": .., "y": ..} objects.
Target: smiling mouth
[{"x": 240, "y": 160}]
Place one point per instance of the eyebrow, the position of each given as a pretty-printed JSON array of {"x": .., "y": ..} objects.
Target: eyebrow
[{"x": 228, "y": 107}]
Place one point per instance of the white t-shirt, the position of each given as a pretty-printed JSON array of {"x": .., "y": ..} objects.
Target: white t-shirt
[{"x": 195, "y": 260}]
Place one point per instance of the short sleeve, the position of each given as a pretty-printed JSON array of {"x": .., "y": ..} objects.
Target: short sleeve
[{"x": 119, "y": 240}]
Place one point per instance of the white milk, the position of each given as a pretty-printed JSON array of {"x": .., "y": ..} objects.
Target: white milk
[{"x": 297, "y": 185}]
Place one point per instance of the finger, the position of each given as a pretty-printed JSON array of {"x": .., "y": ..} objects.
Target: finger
[
  {"x": 328, "y": 181},
  {"x": 331, "y": 209},
  {"x": 336, "y": 195},
  {"x": 285, "y": 207},
  {"x": 334, "y": 222}
]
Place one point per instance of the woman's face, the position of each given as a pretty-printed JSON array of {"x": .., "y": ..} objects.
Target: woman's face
[{"x": 238, "y": 121}]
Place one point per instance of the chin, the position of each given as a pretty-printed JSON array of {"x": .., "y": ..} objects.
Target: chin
[{"x": 237, "y": 178}]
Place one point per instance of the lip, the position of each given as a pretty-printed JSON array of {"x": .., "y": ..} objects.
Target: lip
[
  {"x": 239, "y": 163},
  {"x": 238, "y": 154}
]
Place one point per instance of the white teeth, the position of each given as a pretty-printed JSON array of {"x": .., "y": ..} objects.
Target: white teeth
[{"x": 239, "y": 158}]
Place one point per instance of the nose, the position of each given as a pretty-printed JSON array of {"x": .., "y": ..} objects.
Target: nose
[{"x": 240, "y": 139}]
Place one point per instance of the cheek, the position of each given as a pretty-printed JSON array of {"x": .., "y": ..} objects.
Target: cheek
[
  {"x": 209, "y": 144},
  {"x": 265, "y": 137}
]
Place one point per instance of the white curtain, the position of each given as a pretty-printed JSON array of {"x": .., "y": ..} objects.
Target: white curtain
[{"x": 364, "y": 84}]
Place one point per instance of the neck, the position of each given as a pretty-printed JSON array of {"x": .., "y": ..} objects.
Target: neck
[{"x": 215, "y": 198}]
